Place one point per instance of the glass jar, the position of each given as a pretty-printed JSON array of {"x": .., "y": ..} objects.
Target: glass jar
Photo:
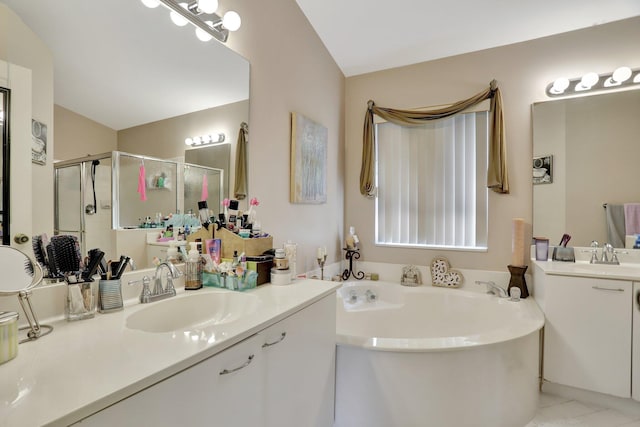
[{"x": 280, "y": 262}]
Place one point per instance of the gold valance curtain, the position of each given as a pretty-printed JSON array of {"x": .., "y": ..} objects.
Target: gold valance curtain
[
  {"x": 240, "y": 182},
  {"x": 497, "y": 176}
]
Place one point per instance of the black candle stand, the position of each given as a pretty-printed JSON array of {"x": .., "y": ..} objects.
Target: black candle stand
[
  {"x": 348, "y": 272},
  {"x": 517, "y": 279}
]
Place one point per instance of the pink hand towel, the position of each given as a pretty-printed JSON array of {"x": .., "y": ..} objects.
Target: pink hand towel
[
  {"x": 632, "y": 218},
  {"x": 142, "y": 186},
  {"x": 205, "y": 188}
]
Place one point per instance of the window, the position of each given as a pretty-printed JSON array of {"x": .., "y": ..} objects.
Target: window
[{"x": 431, "y": 183}]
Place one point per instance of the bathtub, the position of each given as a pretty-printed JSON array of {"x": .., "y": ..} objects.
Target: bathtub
[{"x": 428, "y": 356}]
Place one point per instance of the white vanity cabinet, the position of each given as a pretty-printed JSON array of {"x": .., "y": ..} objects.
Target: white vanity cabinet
[
  {"x": 281, "y": 376},
  {"x": 587, "y": 338},
  {"x": 299, "y": 356}
]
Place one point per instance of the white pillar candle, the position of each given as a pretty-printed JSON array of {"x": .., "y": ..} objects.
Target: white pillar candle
[{"x": 517, "y": 242}]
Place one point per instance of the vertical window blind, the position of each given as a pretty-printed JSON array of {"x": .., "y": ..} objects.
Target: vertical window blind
[{"x": 431, "y": 183}]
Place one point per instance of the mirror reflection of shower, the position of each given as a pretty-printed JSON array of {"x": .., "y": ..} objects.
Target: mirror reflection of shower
[
  {"x": 91, "y": 209},
  {"x": 96, "y": 198}
]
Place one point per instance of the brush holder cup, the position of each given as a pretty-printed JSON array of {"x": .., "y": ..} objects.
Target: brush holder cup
[
  {"x": 110, "y": 292},
  {"x": 81, "y": 301}
]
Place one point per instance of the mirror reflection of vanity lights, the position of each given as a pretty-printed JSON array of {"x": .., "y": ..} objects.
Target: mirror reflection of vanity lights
[
  {"x": 205, "y": 139},
  {"x": 19, "y": 276}
]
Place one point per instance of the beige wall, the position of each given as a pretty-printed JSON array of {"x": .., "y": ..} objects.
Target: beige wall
[
  {"x": 523, "y": 70},
  {"x": 77, "y": 136},
  {"x": 291, "y": 71},
  {"x": 19, "y": 45}
]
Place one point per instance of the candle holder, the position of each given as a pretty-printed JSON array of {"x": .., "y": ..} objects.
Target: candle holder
[
  {"x": 517, "y": 279},
  {"x": 321, "y": 260},
  {"x": 348, "y": 272}
]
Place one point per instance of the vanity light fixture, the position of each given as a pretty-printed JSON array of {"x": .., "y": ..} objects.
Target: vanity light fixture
[
  {"x": 620, "y": 77},
  {"x": 202, "y": 15},
  {"x": 205, "y": 140}
]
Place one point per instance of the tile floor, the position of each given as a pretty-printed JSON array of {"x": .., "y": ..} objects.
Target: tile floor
[{"x": 555, "y": 411}]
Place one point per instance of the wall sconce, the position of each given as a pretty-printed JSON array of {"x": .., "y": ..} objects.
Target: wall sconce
[
  {"x": 205, "y": 140},
  {"x": 202, "y": 15},
  {"x": 590, "y": 82}
]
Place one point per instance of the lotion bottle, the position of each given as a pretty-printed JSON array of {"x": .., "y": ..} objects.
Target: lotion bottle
[{"x": 193, "y": 269}]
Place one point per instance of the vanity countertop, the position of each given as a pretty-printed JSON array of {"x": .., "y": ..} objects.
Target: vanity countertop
[
  {"x": 624, "y": 271},
  {"x": 87, "y": 365}
]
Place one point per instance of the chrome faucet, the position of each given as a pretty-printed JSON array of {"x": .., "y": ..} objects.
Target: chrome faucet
[
  {"x": 158, "y": 293},
  {"x": 494, "y": 289},
  {"x": 609, "y": 254}
]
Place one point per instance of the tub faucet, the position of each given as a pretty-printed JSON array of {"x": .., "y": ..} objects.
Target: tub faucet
[
  {"x": 494, "y": 289},
  {"x": 370, "y": 296}
]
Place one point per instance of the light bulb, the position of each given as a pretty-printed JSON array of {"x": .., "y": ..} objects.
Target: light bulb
[
  {"x": 621, "y": 74},
  {"x": 197, "y": 140},
  {"x": 588, "y": 80},
  {"x": 206, "y": 139},
  {"x": 208, "y": 6},
  {"x": 202, "y": 34},
  {"x": 231, "y": 21},
  {"x": 178, "y": 19},
  {"x": 188, "y": 141},
  {"x": 151, "y": 4},
  {"x": 560, "y": 85}
]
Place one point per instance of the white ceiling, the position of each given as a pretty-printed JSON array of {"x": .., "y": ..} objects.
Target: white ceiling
[
  {"x": 122, "y": 64},
  {"x": 369, "y": 35}
]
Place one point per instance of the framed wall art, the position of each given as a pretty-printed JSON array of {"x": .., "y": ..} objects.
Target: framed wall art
[
  {"x": 308, "y": 160},
  {"x": 543, "y": 170},
  {"x": 39, "y": 142}
]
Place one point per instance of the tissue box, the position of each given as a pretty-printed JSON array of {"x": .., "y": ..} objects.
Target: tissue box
[{"x": 250, "y": 246}]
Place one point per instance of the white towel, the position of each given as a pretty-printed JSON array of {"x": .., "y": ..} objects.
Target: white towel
[{"x": 632, "y": 218}]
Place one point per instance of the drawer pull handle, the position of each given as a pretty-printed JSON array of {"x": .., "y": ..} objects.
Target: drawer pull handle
[
  {"x": 279, "y": 340},
  {"x": 244, "y": 365},
  {"x": 608, "y": 289}
]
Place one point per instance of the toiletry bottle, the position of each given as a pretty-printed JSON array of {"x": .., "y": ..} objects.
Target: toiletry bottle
[
  {"x": 352, "y": 241},
  {"x": 235, "y": 261},
  {"x": 172, "y": 253},
  {"x": 193, "y": 269}
]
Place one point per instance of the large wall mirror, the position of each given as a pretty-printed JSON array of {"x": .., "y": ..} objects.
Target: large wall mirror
[
  {"x": 130, "y": 69},
  {"x": 586, "y": 153}
]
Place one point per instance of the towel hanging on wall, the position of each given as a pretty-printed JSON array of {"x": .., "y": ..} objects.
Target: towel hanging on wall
[{"x": 632, "y": 218}]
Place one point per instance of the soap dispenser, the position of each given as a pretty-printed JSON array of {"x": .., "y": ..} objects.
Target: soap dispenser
[
  {"x": 172, "y": 253},
  {"x": 193, "y": 269}
]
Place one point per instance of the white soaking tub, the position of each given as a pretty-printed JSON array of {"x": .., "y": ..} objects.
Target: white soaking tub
[{"x": 427, "y": 356}]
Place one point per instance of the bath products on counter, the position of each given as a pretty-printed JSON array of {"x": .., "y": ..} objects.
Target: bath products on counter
[
  {"x": 280, "y": 262},
  {"x": 290, "y": 251},
  {"x": 352, "y": 242},
  {"x": 172, "y": 253},
  {"x": 8, "y": 335},
  {"x": 193, "y": 269}
]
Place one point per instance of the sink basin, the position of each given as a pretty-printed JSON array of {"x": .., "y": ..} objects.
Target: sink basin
[{"x": 196, "y": 309}]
